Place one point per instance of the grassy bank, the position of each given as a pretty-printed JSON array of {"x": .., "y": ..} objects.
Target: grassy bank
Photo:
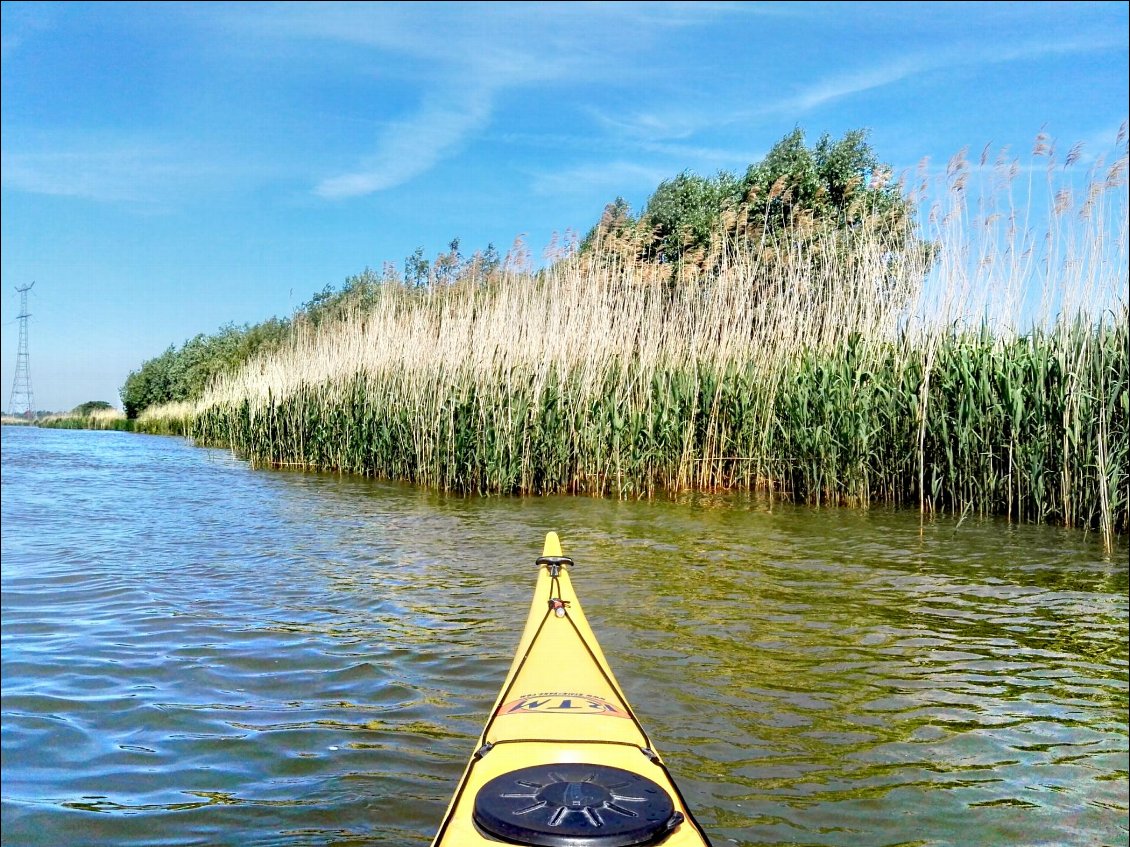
[{"x": 813, "y": 366}]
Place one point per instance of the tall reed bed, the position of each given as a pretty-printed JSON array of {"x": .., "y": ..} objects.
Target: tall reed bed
[
  {"x": 167, "y": 419},
  {"x": 814, "y": 367},
  {"x": 99, "y": 419}
]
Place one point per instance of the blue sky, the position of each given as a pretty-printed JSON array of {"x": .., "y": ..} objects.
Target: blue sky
[{"x": 170, "y": 168}]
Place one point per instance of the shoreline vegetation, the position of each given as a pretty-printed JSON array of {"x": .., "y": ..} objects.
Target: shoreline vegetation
[
  {"x": 102, "y": 419},
  {"x": 92, "y": 415},
  {"x": 814, "y": 329}
]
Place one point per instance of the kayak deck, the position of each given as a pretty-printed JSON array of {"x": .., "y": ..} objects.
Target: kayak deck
[{"x": 562, "y": 759}]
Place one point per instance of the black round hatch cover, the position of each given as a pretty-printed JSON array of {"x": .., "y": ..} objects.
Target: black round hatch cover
[{"x": 575, "y": 805}]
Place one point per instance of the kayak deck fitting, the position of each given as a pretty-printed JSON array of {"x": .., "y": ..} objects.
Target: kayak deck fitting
[{"x": 563, "y": 760}]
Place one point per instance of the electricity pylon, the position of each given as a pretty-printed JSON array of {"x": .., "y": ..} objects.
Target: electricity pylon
[{"x": 22, "y": 402}]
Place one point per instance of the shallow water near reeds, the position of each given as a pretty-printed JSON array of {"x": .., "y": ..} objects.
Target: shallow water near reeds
[{"x": 196, "y": 652}]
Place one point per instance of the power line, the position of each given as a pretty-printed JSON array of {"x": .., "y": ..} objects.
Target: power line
[{"x": 22, "y": 402}]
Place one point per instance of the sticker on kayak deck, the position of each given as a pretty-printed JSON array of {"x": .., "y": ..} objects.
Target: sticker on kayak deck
[{"x": 558, "y": 703}]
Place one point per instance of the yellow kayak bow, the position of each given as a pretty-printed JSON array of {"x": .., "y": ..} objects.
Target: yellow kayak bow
[{"x": 563, "y": 760}]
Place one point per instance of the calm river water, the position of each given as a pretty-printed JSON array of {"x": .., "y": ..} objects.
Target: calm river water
[{"x": 195, "y": 652}]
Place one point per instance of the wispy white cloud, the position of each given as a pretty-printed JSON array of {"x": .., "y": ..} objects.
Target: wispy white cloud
[
  {"x": 456, "y": 65},
  {"x": 680, "y": 122},
  {"x": 150, "y": 175},
  {"x": 410, "y": 147},
  {"x": 460, "y": 61},
  {"x": 693, "y": 12},
  {"x": 599, "y": 178},
  {"x": 830, "y": 89},
  {"x": 482, "y": 51},
  {"x": 833, "y": 88},
  {"x": 129, "y": 173},
  {"x": 667, "y": 123},
  {"x": 459, "y": 65}
]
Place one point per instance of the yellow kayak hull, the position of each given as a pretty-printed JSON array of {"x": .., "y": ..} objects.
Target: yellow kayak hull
[{"x": 562, "y": 758}]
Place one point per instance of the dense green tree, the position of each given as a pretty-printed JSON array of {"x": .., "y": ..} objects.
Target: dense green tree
[
  {"x": 185, "y": 373},
  {"x": 840, "y": 182},
  {"x": 149, "y": 385},
  {"x": 85, "y": 410},
  {"x": 683, "y": 214},
  {"x": 837, "y": 185}
]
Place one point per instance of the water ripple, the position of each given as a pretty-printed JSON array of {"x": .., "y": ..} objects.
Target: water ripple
[{"x": 198, "y": 653}]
